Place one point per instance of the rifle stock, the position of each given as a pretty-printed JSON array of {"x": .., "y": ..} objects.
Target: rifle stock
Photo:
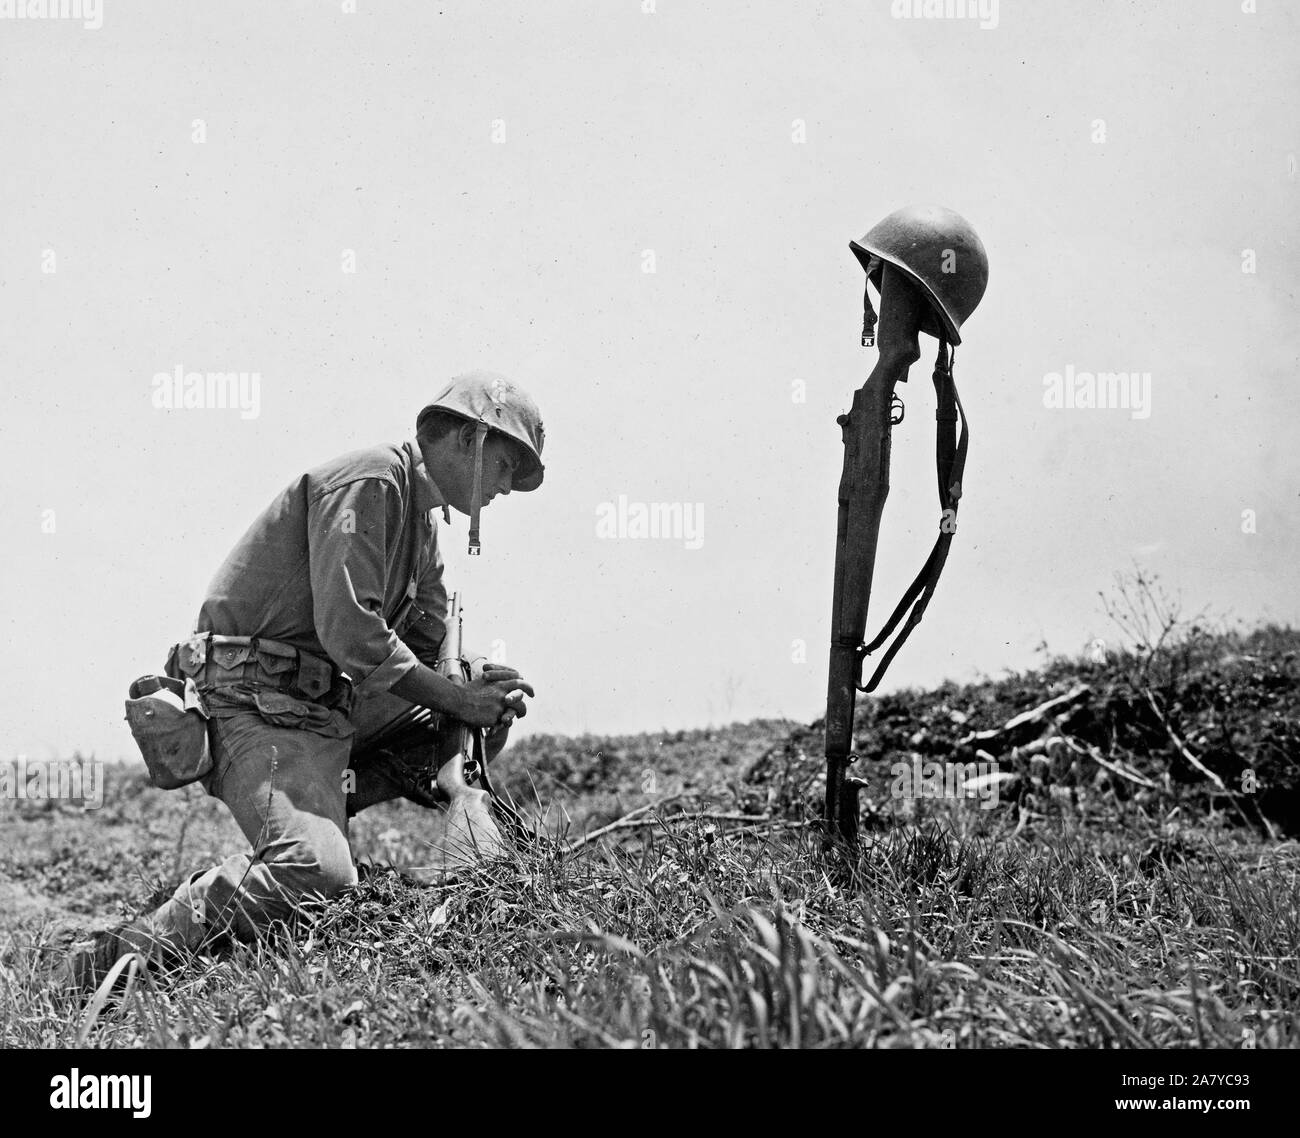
[{"x": 864, "y": 486}]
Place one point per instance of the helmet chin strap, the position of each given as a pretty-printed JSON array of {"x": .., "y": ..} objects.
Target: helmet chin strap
[
  {"x": 868, "y": 312},
  {"x": 475, "y": 505}
]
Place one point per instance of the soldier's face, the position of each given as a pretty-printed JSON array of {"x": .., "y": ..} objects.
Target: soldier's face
[{"x": 501, "y": 458}]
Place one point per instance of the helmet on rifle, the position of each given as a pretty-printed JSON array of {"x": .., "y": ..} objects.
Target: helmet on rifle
[
  {"x": 493, "y": 400},
  {"x": 941, "y": 252}
]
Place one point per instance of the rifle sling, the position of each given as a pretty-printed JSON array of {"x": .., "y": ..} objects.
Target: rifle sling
[{"x": 950, "y": 466}]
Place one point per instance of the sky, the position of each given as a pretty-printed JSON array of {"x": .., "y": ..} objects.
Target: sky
[{"x": 641, "y": 212}]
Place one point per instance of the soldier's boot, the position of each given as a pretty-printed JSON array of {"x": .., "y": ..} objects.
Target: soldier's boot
[{"x": 89, "y": 959}]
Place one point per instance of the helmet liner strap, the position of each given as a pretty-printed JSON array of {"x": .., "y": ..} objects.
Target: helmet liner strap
[{"x": 476, "y": 502}]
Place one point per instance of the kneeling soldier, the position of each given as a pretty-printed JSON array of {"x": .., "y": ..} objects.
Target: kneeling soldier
[{"x": 317, "y": 640}]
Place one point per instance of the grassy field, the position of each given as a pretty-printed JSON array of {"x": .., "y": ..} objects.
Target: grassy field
[{"x": 1135, "y": 884}]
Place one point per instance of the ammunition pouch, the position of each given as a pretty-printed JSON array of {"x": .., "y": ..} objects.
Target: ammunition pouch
[{"x": 170, "y": 724}]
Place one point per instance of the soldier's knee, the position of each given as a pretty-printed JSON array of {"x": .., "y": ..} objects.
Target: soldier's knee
[
  {"x": 317, "y": 869},
  {"x": 335, "y": 875}
]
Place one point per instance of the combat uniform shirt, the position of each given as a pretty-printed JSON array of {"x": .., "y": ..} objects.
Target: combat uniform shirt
[{"x": 343, "y": 563}]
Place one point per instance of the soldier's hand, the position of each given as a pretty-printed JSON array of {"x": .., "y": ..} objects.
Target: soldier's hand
[
  {"x": 500, "y": 672},
  {"x": 495, "y": 698}
]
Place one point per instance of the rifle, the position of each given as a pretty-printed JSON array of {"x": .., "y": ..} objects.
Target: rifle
[
  {"x": 466, "y": 832},
  {"x": 441, "y": 763},
  {"x": 864, "y": 486},
  {"x": 931, "y": 270}
]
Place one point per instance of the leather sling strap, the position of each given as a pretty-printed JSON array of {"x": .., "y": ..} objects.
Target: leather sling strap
[{"x": 950, "y": 466}]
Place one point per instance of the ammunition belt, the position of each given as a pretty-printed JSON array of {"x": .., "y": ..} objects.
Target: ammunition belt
[{"x": 213, "y": 660}]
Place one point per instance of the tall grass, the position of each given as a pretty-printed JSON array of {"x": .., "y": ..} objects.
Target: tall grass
[
  {"x": 694, "y": 938},
  {"x": 1128, "y": 890}
]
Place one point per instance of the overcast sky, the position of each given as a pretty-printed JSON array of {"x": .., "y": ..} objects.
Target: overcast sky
[{"x": 504, "y": 175}]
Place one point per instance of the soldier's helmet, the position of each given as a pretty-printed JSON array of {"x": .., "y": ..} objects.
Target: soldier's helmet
[
  {"x": 939, "y": 250},
  {"x": 486, "y": 397}
]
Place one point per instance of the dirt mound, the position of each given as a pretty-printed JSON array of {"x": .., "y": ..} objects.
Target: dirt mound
[{"x": 1213, "y": 721}]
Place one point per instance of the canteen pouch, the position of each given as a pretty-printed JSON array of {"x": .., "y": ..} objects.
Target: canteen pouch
[{"x": 170, "y": 725}]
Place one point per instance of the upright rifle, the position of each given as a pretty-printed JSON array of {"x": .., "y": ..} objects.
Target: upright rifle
[
  {"x": 441, "y": 762},
  {"x": 931, "y": 271},
  {"x": 467, "y": 833}
]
